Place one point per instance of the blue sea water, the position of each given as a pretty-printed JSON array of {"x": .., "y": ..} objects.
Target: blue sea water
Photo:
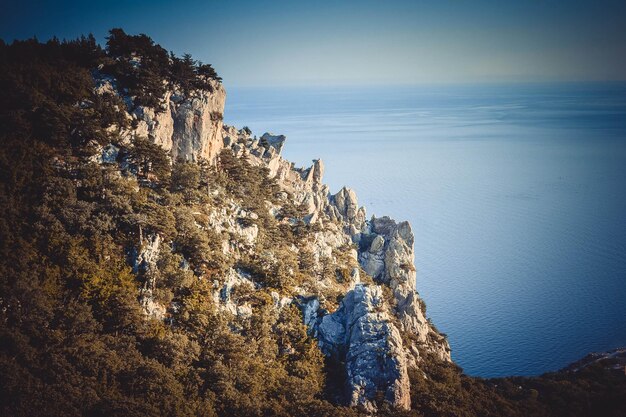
[{"x": 516, "y": 195}]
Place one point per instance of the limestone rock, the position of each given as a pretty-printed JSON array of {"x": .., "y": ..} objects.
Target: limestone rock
[
  {"x": 188, "y": 126},
  {"x": 273, "y": 143},
  {"x": 385, "y": 246},
  {"x": 377, "y": 244},
  {"x": 280, "y": 302},
  {"x": 145, "y": 264},
  {"x": 150, "y": 307},
  {"x": 313, "y": 175},
  {"x": 222, "y": 293},
  {"x": 347, "y": 207},
  {"x": 232, "y": 219},
  {"x": 148, "y": 254},
  {"x": 198, "y": 125},
  {"x": 361, "y": 334},
  {"x": 364, "y": 332},
  {"x": 156, "y": 125},
  {"x": 390, "y": 260}
]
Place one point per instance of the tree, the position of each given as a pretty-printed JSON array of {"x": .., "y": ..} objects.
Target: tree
[
  {"x": 141, "y": 67},
  {"x": 207, "y": 71},
  {"x": 183, "y": 72},
  {"x": 150, "y": 160}
]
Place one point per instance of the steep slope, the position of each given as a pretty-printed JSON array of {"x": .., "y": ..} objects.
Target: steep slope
[
  {"x": 368, "y": 324},
  {"x": 189, "y": 127},
  {"x": 365, "y": 331},
  {"x": 154, "y": 262},
  {"x": 187, "y": 124}
]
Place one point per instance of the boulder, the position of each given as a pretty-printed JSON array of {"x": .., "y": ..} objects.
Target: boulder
[{"x": 377, "y": 244}]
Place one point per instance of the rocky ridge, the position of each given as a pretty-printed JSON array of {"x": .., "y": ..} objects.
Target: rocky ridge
[
  {"x": 147, "y": 278},
  {"x": 379, "y": 330},
  {"x": 365, "y": 331}
]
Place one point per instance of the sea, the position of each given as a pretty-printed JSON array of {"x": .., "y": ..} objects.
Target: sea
[{"x": 516, "y": 194}]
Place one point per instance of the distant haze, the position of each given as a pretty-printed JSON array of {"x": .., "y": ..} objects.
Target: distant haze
[{"x": 358, "y": 42}]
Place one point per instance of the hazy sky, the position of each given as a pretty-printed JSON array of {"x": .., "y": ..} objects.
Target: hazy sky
[{"x": 358, "y": 42}]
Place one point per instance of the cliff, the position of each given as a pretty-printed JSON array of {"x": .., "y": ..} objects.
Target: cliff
[
  {"x": 154, "y": 262},
  {"x": 379, "y": 328},
  {"x": 188, "y": 126},
  {"x": 364, "y": 332}
]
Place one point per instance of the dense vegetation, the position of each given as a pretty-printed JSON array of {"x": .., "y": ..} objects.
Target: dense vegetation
[
  {"x": 73, "y": 337},
  {"x": 140, "y": 67}
]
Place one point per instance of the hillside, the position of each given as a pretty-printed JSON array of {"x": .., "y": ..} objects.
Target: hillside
[{"x": 158, "y": 262}]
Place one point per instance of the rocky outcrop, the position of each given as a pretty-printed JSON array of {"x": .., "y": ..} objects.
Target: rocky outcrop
[
  {"x": 222, "y": 293},
  {"x": 389, "y": 260},
  {"x": 364, "y": 332},
  {"x": 361, "y": 334},
  {"x": 198, "y": 125},
  {"x": 189, "y": 126},
  {"x": 145, "y": 265},
  {"x": 232, "y": 218},
  {"x": 344, "y": 208},
  {"x": 386, "y": 254},
  {"x": 614, "y": 360},
  {"x": 273, "y": 141}
]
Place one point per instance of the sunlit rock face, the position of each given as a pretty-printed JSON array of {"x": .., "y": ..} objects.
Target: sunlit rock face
[
  {"x": 365, "y": 331},
  {"x": 361, "y": 334},
  {"x": 144, "y": 263},
  {"x": 189, "y": 125},
  {"x": 198, "y": 125}
]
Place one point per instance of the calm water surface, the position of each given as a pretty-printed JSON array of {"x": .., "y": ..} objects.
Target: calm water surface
[{"x": 516, "y": 195}]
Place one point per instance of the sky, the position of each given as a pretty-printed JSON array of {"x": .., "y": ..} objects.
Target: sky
[{"x": 275, "y": 43}]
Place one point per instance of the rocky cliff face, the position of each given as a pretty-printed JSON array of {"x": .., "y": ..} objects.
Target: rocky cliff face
[
  {"x": 366, "y": 331},
  {"x": 378, "y": 330},
  {"x": 361, "y": 334},
  {"x": 189, "y": 126},
  {"x": 136, "y": 284}
]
